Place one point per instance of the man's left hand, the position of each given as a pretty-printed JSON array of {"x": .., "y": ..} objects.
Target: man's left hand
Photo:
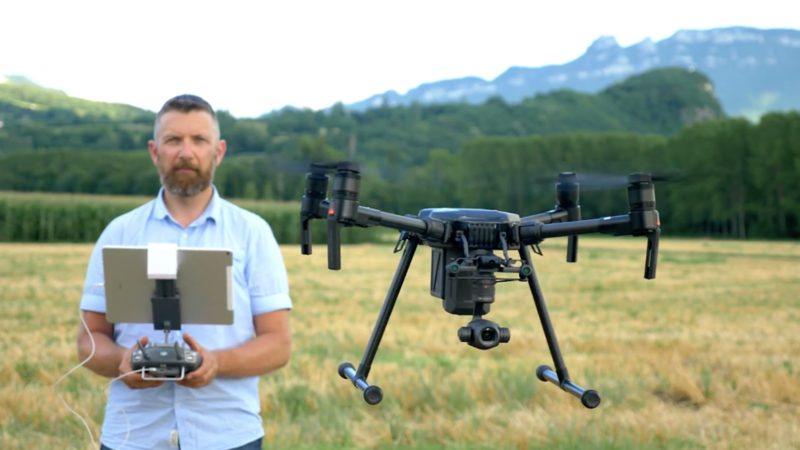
[{"x": 207, "y": 371}]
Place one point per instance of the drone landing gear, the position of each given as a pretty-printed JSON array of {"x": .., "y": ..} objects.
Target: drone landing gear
[
  {"x": 373, "y": 394},
  {"x": 474, "y": 333},
  {"x": 589, "y": 398}
]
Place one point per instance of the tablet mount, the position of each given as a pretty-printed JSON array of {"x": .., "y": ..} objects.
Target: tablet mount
[
  {"x": 167, "y": 361},
  {"x": 166, "y": 307}
]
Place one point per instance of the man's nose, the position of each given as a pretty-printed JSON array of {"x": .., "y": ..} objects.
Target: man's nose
[{"x": 187, "y": 147}]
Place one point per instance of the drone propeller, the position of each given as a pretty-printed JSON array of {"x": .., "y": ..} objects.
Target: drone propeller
[
  {"x": 302, "y": 167},
  {"x": 595, "y": 181}
]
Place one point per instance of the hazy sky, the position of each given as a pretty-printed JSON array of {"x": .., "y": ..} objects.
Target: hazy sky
[{"x": 250, "y": 57}]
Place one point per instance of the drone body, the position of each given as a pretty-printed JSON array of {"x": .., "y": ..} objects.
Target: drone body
[{"x": 464, "y": 266}]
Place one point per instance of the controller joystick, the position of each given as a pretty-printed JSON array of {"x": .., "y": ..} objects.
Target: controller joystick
[{"x": 165, "y": 361}]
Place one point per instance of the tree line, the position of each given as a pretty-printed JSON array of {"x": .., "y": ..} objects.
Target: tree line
[{"x": 740, "y": 177}]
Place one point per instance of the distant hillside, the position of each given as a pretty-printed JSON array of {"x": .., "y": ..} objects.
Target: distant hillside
[
  {"x": 659, "y": 101},
  {"x": 754, "y": 71},
  {"x": 22, "y": 100}
]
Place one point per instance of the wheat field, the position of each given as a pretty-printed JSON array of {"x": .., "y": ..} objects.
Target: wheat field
[{"x": 705, "y": 356}]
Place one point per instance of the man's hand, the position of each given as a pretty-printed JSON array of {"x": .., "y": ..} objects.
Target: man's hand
[
  {"x": 134, "y": 380},
  {"x": 207, "y": 371}
]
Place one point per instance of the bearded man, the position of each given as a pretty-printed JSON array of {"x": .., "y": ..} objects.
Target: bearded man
[{"x": 217, "y": 407}]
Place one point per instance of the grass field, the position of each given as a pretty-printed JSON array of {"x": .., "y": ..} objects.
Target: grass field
[{"x": 705, "y": 356}]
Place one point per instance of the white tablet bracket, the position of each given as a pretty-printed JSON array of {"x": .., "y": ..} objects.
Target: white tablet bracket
[{"x": 162, "y": 266}]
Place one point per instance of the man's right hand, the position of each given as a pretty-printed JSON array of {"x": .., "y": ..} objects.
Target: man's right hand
[{"x": 134, "y": 380}]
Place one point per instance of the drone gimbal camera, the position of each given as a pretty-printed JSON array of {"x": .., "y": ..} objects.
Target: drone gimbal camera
[{"x": 464, "y": 267}]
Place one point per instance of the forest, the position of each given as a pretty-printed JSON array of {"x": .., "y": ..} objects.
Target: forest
[{"x": 738, "y": 177}]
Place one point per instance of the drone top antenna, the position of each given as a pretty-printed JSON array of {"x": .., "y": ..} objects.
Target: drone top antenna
[{"x": 464, "y": 268}]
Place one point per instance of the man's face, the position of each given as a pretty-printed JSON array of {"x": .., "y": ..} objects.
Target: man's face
[{"x": 186, "y": 152}]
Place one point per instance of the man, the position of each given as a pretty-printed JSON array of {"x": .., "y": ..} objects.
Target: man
[{"x": 217, "y": 407}]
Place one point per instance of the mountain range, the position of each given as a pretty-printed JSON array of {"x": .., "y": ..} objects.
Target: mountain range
[{"x": 753, "y": 71}]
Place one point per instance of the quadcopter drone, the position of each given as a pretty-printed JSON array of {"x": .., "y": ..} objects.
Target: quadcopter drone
[{"x": 464, "y": 267}]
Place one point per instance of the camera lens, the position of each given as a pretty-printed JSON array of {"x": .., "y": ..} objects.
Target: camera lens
[{"x": 488, "y": 334}]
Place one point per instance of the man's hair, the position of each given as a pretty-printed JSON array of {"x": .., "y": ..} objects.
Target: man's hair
[{"x": 185, "y": 103}]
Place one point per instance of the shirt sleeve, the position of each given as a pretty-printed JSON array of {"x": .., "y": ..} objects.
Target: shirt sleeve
[
  {"x": 94, "y": 294},
  {"x": 265, "y": 271}
]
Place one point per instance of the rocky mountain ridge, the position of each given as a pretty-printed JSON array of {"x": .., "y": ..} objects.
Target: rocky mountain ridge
[{"x": 753, "y": 71}]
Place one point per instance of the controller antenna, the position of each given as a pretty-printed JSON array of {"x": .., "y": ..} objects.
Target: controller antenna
[
  {"x": 141, "y": 349},
  {"x": 178, "y": 351}
]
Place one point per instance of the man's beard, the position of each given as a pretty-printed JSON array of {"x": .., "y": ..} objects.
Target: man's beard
[{"x": 185, "y": 184}]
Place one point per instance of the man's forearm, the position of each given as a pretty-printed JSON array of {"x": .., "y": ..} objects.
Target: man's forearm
[
  {"x": 107, "y": 355},
  {"x": 261, "y": 355}
]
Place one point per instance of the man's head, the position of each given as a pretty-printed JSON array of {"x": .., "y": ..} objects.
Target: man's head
[{"x": 186, "y": 146}]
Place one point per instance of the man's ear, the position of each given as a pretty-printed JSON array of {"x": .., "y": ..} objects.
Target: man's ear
[
  {"x": 151, "y": 147},
  {"x": 222, "y": 146}
]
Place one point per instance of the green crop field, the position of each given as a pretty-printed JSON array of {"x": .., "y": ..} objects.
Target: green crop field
[
  {"x": 59, "y": 218},
  {"x": 127, "y": 200},
  {"x": 705, "y": 356}
]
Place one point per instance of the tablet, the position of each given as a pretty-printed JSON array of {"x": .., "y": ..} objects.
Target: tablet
[{"x": 204, "y": 284}]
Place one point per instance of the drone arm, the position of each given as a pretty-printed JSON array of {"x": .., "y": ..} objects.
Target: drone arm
[
  {"x": 534, "y": 232},
  {"x": 561, "y": 215},
  {"x": 556, "y": 215},
  {"x": 634, "y": 224},
  {"x": 368, "y": 217},
  {"x": 614, "y": 225},
  {"x": 424, "y": 228}
]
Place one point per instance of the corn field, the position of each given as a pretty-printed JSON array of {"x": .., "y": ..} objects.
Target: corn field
[{"x": 68, "y": 218}]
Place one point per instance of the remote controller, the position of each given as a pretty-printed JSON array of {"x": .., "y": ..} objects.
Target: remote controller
[{"x": 165, "y": 360}]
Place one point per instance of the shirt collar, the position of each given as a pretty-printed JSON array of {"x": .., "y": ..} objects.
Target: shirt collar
[{"x": 212, "y": 211}]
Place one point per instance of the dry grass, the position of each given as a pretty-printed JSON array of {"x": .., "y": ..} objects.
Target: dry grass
[{"x": 705, "y": 356}]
